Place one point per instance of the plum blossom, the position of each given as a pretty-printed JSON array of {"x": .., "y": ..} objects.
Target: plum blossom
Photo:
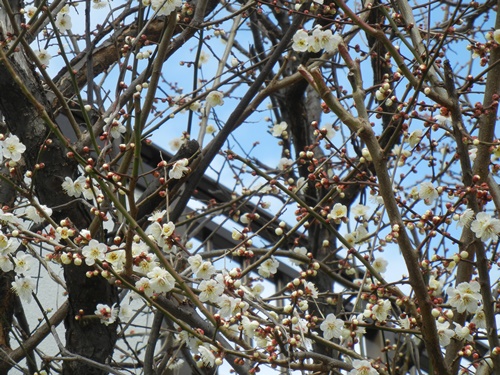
[
  {"x": 144, "y": 285},
  {"x": 444, "y": 333},
  {"x": 485, "y": 227},
  {"x": 5, "y": 263},
  {"x": 12, "y": 148},
  {"x": 415, "y": 138},
  {"x": 107, "y": 314},
  {"x": 30, "y": 11},
  {"x": 94, "y": 251},
  {"x": 43, "y": 56},
  {"x": 249, "y": 326},
  {"x": 427, "y": 192},
  {"x": 496, "y": 36},
  {"x": 210, "y": 290},
  {"x": 479, "y": 319},
  {"x": 278, "y": 129},
  {"x": 465, "y": 297},
  {"x": 360, "y": 211},
  {"x": 215, "y": 98},
  {"x": 339, "y": 211},
  {"x": 462, "y": 332},
  {"x": 178, "y": 169},
  {"x": 99, "y": 4},
  {"x": 23, "y": 262},
  {"x": 285, "y": 163},
  {"x": 380, "y": 265},
  {"x": 300, "y": 41},
  {"x": 207, "y": 356},
  {"x": 465, "y": 219},
  {"x": 362, "y": 367},
  {"x": 301, "y": 251},
  {"x": 329, "y": 131},
  {"x": 63, "y": 22},
  {"x": 35, "y": 215},
  {"x": 23, "y": 287},
  {"x": 378, "y": 311},
  {"x": 268, "y": 267},
  {"x": 161, "y": 280},
  {"x": 332, "y": 327},
  {"x": 74, "y": 188},
  {"x": 206, "y": 270},
  {"x": 310, "y": 289},
  {"x": 116, "y": 258},
  {"x": 165, "y": 7}
]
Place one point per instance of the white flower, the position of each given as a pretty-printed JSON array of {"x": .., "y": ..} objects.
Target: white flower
[
  {"x": 43, "y": 56},
  {"x": 107, "y": 314},
  {"x": 473, "y": 153},
  {"x": 99, "y": 4},
  {"x": 362, "y": 367},
  {"x": 5, "y": 263},
  {"x": 210, "y": 290},
  {"x": 178, "y": 169},
  {"x": 380, "y": 265},
  {"x": 278, "y": 129},
  {"x": 205, "y": 271},
  {"x": 301, "y": 251},
  {"x": 360, "y": 211},
  {"x": 331, "y": 327},
  {"x": 314, "y": 40},
  {"x": 444, "y": 333},
  {"x": 116, "y": 258},
  {"x": 310, "y": 289},
  {"x": 462, "y": 332},
  {"x": 165, "y": 7},
  {"x": 63, "y": 22},
  {"x": 161, "y": 280},
  {"x": 204, "y": 57},
  {"x": 35, "y": 216},
  {"x": 378, "y": 311},
  {"x": 466, "y": 218},
  {"x": 116, "y": 129},
  {"x": 13, "y": 148},
  {"x": 176, "y": 143},
  {"x": 479, "y": 319},
  {"x": 23, "y": 262},
  {"x": 6, "y": 244},
  {"x": 195, "y": 261},
  {"x": 94, "y": 251},
  {"x": 125, "y": 312},
  {"x": 215, "y": 98},
  {"x": 23, "y": 287},
  {"x": 207, "y": 357},
  {"x": 485, "y": 227},
  {"x": 227, "y": 305},
  {"x": 249, "y": 326},
  {"x": 300, "y": 41},
  {"x": 415, "y": 138},
  {"x": 330, "y": 131},
  {"x": 285, "y": 163},
  {"x": 144, "y": 285},
  {"x": 269, "y": 267},
  {"x": 339, "y": 211},
  {"x": 427, "y": 192},
  {"x": 496, "y": 36},
  {"x": 329, "y": 42},
  {"x": 74, "y": 188},
  {"x": 465, "y": 297},
  {"x": 30, "y": 11}
]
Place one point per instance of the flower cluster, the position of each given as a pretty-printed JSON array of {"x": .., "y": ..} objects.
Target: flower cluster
[{"x": 316, "y": 41}]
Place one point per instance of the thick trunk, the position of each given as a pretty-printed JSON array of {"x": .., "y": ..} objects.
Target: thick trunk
[{"x": 88, "y": 338}]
